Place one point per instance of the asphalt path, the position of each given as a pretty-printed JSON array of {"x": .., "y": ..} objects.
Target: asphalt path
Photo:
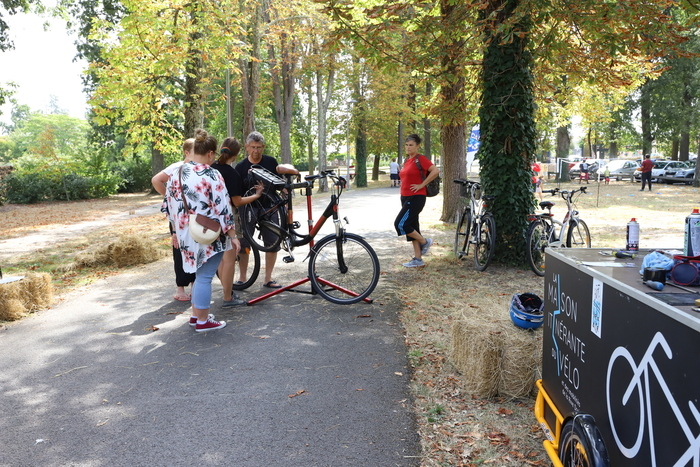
[{"x": 114, "y": 375}]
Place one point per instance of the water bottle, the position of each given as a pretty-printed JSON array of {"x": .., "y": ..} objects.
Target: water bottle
[
  {"x": 691, "y": 241},
  {"x": 633, "y": 235}
]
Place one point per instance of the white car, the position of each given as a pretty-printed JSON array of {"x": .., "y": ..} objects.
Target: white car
[{"x": 667, "y": 168}]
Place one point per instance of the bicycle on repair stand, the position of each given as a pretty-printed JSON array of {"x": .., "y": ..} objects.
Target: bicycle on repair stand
[
  {"x": 545, "y": 231},
  {"x": 476, "y": 226},
  {"x": 343, "y": 267}
]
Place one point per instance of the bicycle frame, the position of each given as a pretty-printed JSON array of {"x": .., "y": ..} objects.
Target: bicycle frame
[
  {"x": 291, "y": 237},
  {"x": 570, "y": 217}
]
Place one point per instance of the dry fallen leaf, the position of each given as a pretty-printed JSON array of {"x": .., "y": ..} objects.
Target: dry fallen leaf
[
  {"x": 298, "y": 393},
  {"x": 151, "y": 328}
]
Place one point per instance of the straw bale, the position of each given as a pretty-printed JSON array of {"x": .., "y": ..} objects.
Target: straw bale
[
  {"x": 521, "y": 363},
  {"x": 476, "y": 351},
  {"x": 12, "y": 309},
  {"x": 130, "y": 250},
  {"x": 127, "y": 250},
  {"x": 9, "y": 294},
  {"x": 36, "y": 291}
]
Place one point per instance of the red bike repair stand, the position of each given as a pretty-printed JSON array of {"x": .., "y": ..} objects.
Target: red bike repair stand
[{"x": 291, "y": 287}]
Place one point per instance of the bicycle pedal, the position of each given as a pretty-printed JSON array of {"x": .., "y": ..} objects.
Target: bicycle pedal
[{"x": 288, "y": 259}]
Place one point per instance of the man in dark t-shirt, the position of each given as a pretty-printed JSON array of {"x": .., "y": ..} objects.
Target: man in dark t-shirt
[{"x": 255, "y": 145}]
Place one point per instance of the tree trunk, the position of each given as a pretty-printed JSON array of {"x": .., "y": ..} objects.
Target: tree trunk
[
  {"x": 157, "y": 161},
  {"x": 427, "y": 146},
  {"x": 684, "y": 149},
  {"x": 563, "y": 148},
  {"x": 375, "y": 167},
  {"x": 192, "y": 99},
  {"x": 507, "y": 119},
  {"x": 324, "y": 101},
  {"x": 645, "y": 115},
  {"x": 674, "y": 148},
  {"x": 250, "y": 72},
  {"x": 400, "y": 142},
  {"x": 361, "y": 149},
  {"x": 309, "y": 123},
  {"x": 282, "y": 71}
]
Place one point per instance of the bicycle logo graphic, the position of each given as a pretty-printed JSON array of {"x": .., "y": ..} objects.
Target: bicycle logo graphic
[{"x": 648, "y": 367}]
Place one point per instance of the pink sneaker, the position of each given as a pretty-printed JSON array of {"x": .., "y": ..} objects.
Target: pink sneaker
[
  {"x": 210, "y": 325},
  {"x": 193, "y": 319}
]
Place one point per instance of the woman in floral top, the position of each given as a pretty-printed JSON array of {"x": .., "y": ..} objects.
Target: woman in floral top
[{"x": 206, "y": 194}]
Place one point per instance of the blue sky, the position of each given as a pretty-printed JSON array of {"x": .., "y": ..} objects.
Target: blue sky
[{"x": 42, "y": 66}]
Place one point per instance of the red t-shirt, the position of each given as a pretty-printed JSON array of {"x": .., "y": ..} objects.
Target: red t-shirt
[
  {"x": 410, "y": 175},
  {"x": 647, "y": 165}
]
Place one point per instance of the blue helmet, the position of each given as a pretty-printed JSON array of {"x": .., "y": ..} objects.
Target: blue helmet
[{"x": 526, "y": 310}]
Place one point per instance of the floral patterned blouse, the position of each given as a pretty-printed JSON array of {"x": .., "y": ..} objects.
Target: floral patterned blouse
[{"x": 206, "y": 194}]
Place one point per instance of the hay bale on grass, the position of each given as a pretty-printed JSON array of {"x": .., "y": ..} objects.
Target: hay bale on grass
[
  {"x": 33, "y": 292},
  {"x": 495, "y": 357},
  {"x": 476, "y": 352},
  {"x": 131, "y": 250},
  {"x": 522, "y": 362},
  {"x": 127, "y": 250}
]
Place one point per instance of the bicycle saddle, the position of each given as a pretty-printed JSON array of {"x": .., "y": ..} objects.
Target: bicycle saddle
[
  {"x": 268, "y": 178},
  {"x": 546, "y": 205}
]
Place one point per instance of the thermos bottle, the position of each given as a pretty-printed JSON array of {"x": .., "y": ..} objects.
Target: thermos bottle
[
  {"x": 691, "y": 241},
  {"x": 633, "y": 235}
]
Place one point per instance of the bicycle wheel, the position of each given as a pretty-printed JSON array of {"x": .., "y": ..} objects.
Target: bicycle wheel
[
  {"x": 251, "y": 267},
  {"x": 464, "y": 224},
  {"x": 537, "y": 239},
  {"x": 485, "y": 243},
  {"x": 578, "y": 236},
  {"x": 343, "y": 271},
  {"x": 626, "y": 415},
  {"x": 263, "y": 221},
  {"x": 581, "y": 444}
]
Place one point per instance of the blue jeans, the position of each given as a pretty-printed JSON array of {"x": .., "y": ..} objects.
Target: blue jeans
[{"x": 201, "y": 289}]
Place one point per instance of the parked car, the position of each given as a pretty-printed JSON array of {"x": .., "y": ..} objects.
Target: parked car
[
  {"x": 658, "y": 171},
  {"x": 593, "y": 166},
  {"x": 686, "y": 175},
  {"x": 621, "y": 169}
]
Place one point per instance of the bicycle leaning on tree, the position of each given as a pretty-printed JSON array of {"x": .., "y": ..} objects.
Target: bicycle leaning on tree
[
  {"x": 343, "y": 267},
  {"x": 476, "y": 226},
  {"x": 545, "y": 231}
]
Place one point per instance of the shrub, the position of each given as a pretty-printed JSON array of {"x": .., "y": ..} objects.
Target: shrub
[{"x": 135, "y": 174}]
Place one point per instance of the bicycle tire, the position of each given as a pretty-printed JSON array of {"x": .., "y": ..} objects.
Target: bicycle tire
[
  {"x": 263, "y": 224},
  {"x": 485, "y": 243},
  {"x": 252, "y": 269},
  {"x": 537, "y": 239},
  {"x": 461, "y": 247},
  {"x": 578, "y": 235},
  {"x": 581, "y": 444},
  {"x": 350, "y": 264}
]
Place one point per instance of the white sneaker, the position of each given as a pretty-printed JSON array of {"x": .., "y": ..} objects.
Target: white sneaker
[
  {"x": 426, "y": 246},
  {"x": 414, "y": 263}
]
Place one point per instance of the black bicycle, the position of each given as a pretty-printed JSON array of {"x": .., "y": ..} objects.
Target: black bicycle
[
  {"x": 476, "y": 226},
  {"x": 343, "y": 267}
]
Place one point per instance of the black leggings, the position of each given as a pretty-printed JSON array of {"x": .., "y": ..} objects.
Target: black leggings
[{"x": 182, "y": 278}]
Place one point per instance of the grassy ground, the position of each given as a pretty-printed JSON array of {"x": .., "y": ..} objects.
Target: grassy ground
[{"x": 456, "y": 429}]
